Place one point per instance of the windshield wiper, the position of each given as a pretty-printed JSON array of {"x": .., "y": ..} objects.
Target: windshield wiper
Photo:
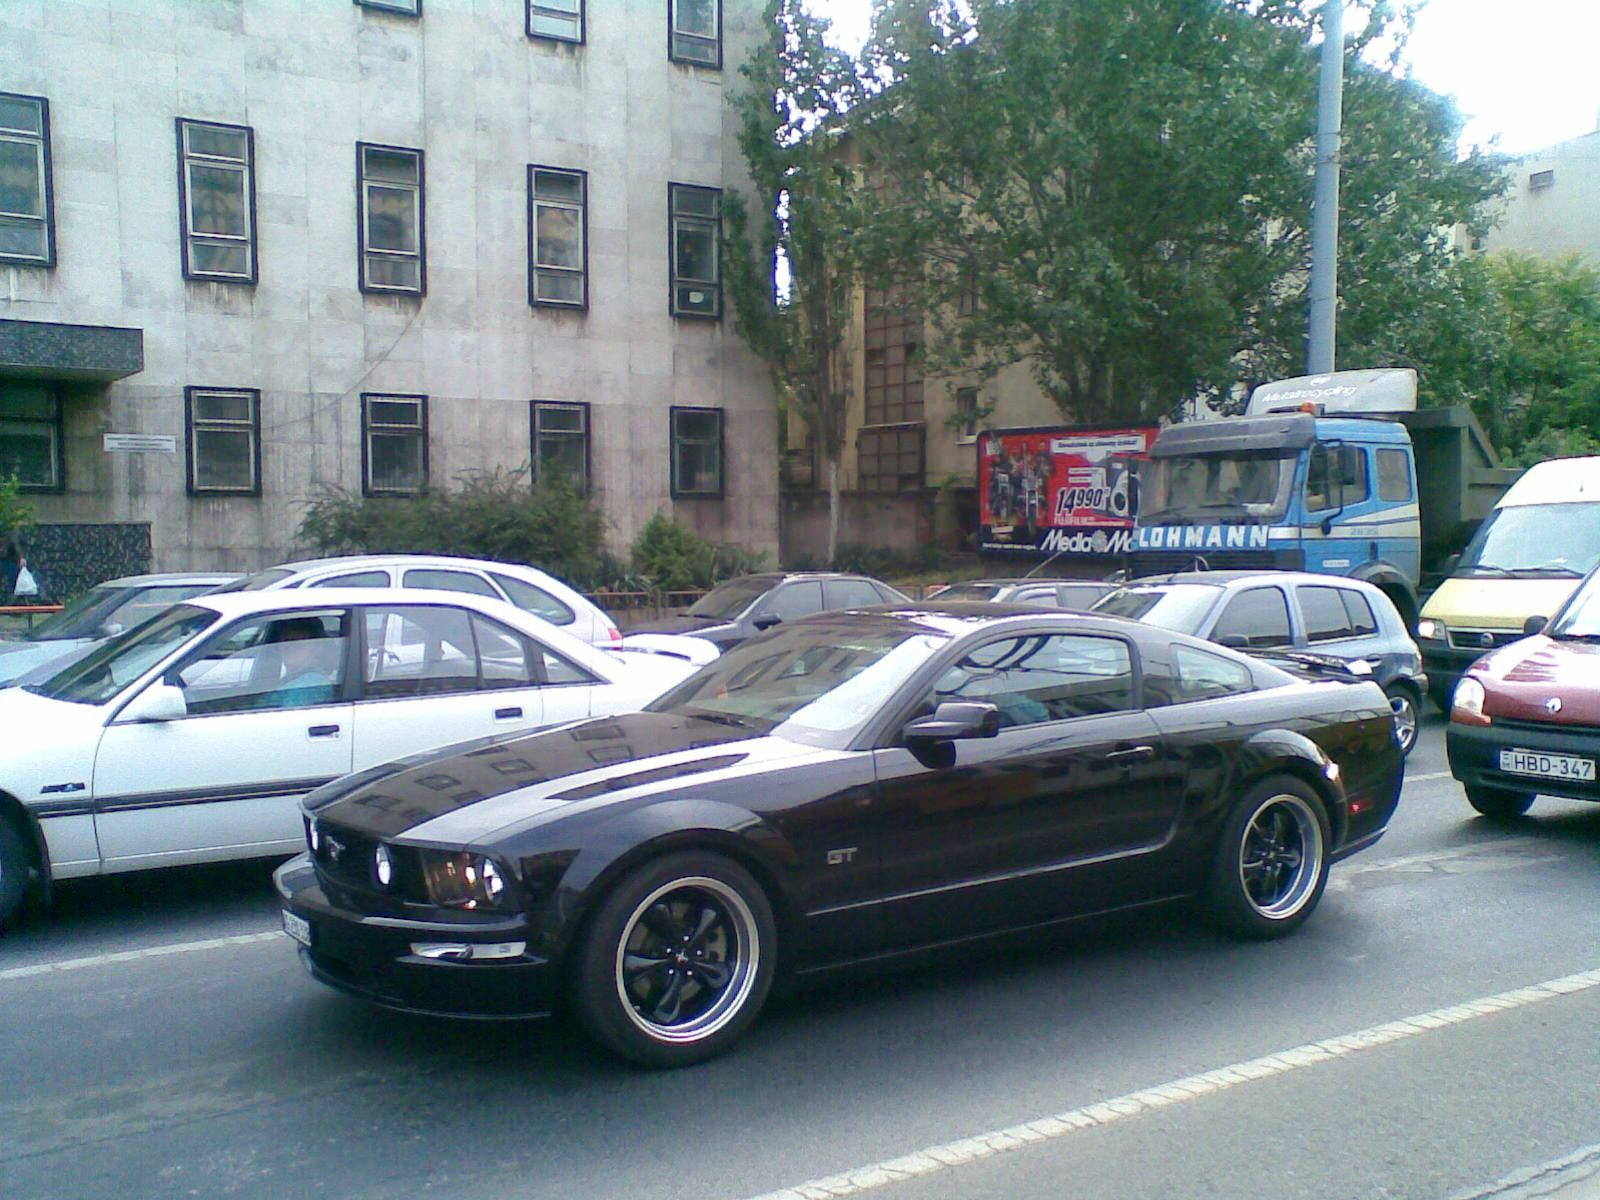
[
  {"x": 1576, "y": 637},
  {"x": 1483, "y": 568},
  {"x": 700, "y": 714},
  {"x": 1548, "y": 569}
]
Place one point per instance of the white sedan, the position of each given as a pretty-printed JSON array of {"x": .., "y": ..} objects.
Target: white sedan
[{"x": 193, "y": 737}]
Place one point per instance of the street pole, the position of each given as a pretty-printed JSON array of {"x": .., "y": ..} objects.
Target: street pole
[{"x": 1325, "y": 205}]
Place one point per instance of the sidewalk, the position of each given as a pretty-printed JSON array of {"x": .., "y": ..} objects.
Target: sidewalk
[{"x": 1573, "y": 1177}]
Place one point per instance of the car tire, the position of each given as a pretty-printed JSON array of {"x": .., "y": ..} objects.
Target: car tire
[
  {"x": 1498, "y": 804},
  {"x": 1271, "y": 862},
  {"x": 1407, "y": 713},
  {"x": 677, "y": 960},
  {"x": 15, "y": 869}
]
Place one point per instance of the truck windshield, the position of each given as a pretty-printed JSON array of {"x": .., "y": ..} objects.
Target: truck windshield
[
  {"x": 1533, "y": 540},
  {"x": 1246, "y": 487}
]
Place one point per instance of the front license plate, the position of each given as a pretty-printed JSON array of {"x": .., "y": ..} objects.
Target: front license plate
[
  {"x": 1547, "y": 766},
  {"x": 297, "y": 927}
]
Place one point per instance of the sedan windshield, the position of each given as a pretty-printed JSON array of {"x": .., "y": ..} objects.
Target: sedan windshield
[
  {"x": 728, "y": 600},
  {"x": 969, "y": 591},
  {"x": 258, "y": 582},
  {"x": 1535, "y": 540},
  {"x": 100, "y": 675},
  {"x": 1215, "y": 486},
  {"x": 1180, "y": 607},
  {"x": 80, "y": 618},
  {"x": 817, "y": 682}
]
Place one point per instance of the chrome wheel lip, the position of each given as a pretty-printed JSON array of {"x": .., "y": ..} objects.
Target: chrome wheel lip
[
  {"x": 730, "y": 1002},
  {"x": 1293, "y": 895}
]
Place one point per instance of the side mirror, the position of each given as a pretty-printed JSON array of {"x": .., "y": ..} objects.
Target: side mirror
[
  {"x": 108, "y": 629},
  {"x": 158, "y": 702},
  {"x": 1451, "y": 563},
  {"x": 767, "y": 622},
  {"x": 1534, "y": 625},
  {"x": 954, "y": 720}
]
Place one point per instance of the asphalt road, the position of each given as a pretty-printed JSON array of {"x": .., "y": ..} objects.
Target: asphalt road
[{"x": 160, "y": 1040}]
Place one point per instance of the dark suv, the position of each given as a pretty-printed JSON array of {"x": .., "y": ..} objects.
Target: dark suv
[{"x": 742, "y": 607}]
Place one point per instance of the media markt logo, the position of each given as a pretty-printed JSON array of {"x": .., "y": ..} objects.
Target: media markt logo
[{"x": 1100, "y": 541}]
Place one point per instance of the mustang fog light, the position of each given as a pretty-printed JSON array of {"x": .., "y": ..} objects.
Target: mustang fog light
[
  {"x": 468, "y": 951},
  {"x": 1466, "y": 705},
  {"x": 382, "y": 866}
]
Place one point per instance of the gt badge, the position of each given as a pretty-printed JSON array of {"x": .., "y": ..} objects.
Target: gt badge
[{"x": 839, "y": 858}]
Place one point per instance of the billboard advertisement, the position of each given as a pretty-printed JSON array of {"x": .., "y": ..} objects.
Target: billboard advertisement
[{"x": 1058, "y": 491}]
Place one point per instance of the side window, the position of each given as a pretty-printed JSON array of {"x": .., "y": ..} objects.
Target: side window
[
  {"x": 507, "y": 659},
  {"x": 1257, "y": 618},
  {"x": 1353, "y": 472},
  {"x": 1077, "y": 595},
  {"x": 1201, "y": 675},
  {"x": 1394, "y": 475},
  {"x": 267, "y": 662},
  {"x": 850, "y": 593},
  {"x": 419, "y": 650},
  {"x": 1335, "y": 475},
  {"x": 1042, "y": 677},
  {"x": 793, "y": 600},
  {"x": 534, "y": 600},
  {"x": 450, "y": 581},
  {"x": 367, "y": 579},
  {"x": 1363, "y": 621},
  {"x": 1324, "y": 613},
  {"x": 558, "y": 670}
]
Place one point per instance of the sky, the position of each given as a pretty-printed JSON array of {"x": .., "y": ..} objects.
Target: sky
[{"x": 1522, "y": 71}]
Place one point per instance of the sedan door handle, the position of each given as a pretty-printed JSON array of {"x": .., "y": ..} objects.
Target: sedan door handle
[
  {"x": 1132, "y": 753},
  {"x": 323, "y": 731},
  {"x": 507, "y": 714}
]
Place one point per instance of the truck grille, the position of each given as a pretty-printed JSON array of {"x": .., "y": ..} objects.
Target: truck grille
[{"x": 1483, "y": 639}]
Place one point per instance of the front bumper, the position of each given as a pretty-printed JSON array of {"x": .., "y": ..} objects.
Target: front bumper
[
  {"x": 1474, "y": 754},
  {"x": 371, "y": 956}
]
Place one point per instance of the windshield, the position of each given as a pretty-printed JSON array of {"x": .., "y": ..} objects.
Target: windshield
[
  {"x": 1535, "y": 540},
  {"x": 969, "y": 591},
  {"x": 816, "y": 682},
  {"x": 1180, "y": 607},
  {"x": 79, "y": 618},
  {"x": 1215, "y": 486},
  {"x": 258, "y": 582},
  {"x": 728, "y": 600},
  {"x": 108, "y": 669},
  {"x": 115, "y": 610},
  {"x": 1580, "y": 619}
]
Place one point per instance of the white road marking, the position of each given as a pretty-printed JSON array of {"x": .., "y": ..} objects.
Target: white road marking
[
  {"x": 932, "y": 1159},
  {"x": 1428, "y": 776},
  {"x": 101, "y": 960}
]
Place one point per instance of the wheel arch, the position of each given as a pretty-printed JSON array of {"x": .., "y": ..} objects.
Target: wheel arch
[
  {"x": 1392, "y": 582},
  {"x": 13, "y": 811},
  {"x": 1286, "y": 752}
]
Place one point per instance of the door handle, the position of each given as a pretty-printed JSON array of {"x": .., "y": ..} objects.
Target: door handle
[
  {"x": 507, "y": 714},
  {"x": 323, "y": 731},
  {"x": 1132, "y": 753}
]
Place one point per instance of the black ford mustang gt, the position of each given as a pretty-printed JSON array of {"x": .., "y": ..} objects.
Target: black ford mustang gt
[{"x": 844, "y": 787}]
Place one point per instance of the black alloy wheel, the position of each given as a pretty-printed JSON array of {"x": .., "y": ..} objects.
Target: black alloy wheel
[
  {"x": 1498, "y": 804},
  {"x": 677, "y": 960},
  {"x": 1271, "y": 864},
  {"x": 1403, "y": 702},
  {"x": 14, "y": 869}
]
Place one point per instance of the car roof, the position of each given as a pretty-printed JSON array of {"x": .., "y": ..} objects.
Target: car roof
[
  {"x": 345, "y": 561},
  {"x": 788, "y": 576},
  {"x": 958, "y": 617},
  {"x": 1225, "y": 579},
  {"x": 171, "y": 577}
]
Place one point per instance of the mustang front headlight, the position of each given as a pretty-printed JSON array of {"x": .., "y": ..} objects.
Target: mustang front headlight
[{"x": 462, "y": 880}]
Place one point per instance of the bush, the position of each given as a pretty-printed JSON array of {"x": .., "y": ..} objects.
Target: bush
[
  {"x": 16, "y": 514},
  {"x": 671, "y": 557},
  {"x": 489, "y": 514}
]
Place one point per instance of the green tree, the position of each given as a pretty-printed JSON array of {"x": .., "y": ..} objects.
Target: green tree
[
  {"x": 16, "y": 514},
  {"x": 791, "y": 264}
]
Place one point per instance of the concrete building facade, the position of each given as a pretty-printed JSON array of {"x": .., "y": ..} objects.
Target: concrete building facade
[
  {"x": 253, "y": 248},
  {"x": 1552, "y": 203}
]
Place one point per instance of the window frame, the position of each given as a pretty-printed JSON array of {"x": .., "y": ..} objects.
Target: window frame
[
  {"x": 673, "y": 35},
  {"x": 581, "y": 406},
  {"x": 1343, "y": 634},
  {"x": 46, "y": 182},
  {"x": 714, "y": 223},
  {"x": 421, "y": 429},
  {"x": 58, "y": 439},
  {"x": 1135, "y": 677},
  {"x": 583, "y": 23},
  {"x": 1393, "y": 455},
  {"x": 186, "y": 234},
  {"x": 967, "y": 422},
  {"x": 678, "y": 491},
  {"x": 534, "y": 299},
  {"x": 364, "y": 284},
  {"x": 400, "y": 8},
  {"x": 191, "y": 427}
]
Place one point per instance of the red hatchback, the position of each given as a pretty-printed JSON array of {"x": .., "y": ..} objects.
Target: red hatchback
[{"x": 1525, "y": 719}]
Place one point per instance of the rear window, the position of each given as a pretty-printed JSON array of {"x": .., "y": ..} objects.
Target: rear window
[
  {"x": 1362, "y": 620},
  {"x": 1325, "y": 614},
  {"x": 851, "y": 593}
]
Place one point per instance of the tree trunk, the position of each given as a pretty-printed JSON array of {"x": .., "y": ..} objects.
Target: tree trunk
[{"x": 833, "y": 509}]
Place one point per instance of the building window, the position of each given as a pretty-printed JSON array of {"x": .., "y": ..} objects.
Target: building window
[
  {"x": 561, "y": 20},
  {"x": 890, "y": 458},
  {"x": 560, "y": 437},
  {"x": 394, "y": 445},
  {"x": 695, "y": 35},
  {"x": 391, "y": 219},
  {"x": 224, "y": 427},
  {"x": 410, "y": 8},
  {"x": 30, "y": 436},
  {"x": 696, "y": 451},
  {"x": 696, "y": 215},
  {"x": 27, "y": 213},
  {"x": 217, "y": 201},
  {"x": 558, "y": 242},
  {"x": 1540, "y": 180},
  {"x": 966, "y": 415}
]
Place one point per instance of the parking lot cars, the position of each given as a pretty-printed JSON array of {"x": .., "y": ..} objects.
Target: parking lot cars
[
  {"x": 193, "y": 737},
  {"x": 1287, "y": 610},
  {"x": 105, "y": 609},
  {"x": 847, "y": 786},
  {"x": 1047, "y": 593},
  {"x": 528, "y": 588},
  {"x": 1525, "y": 719},
  {"x": 740, "y": 608}
]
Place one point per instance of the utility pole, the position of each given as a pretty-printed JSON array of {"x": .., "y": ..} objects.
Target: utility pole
[{"x": 1325, "y": 205}]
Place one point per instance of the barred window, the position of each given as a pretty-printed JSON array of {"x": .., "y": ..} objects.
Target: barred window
[
  {"x": 217, "y": 201},
  {"x": 30, "y": 435},
  {"x": 558, "y": 247},
  {"x": 392, "y": 245},
  {"x": 394, "y": 444},
  {"x": 696, "y": 219},
  {"x": 695, "y": 35},
  {"x": 27, "y": 206},
  {"x": 696, "y": 451},
  {"x": 224, "y": 428},
  {"x": 560, "y": 436}
]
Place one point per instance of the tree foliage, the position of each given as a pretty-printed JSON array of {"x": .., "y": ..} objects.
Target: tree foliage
[
  {"x": 670, "y": 557},
  {"x": 16, "y": 514}
]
